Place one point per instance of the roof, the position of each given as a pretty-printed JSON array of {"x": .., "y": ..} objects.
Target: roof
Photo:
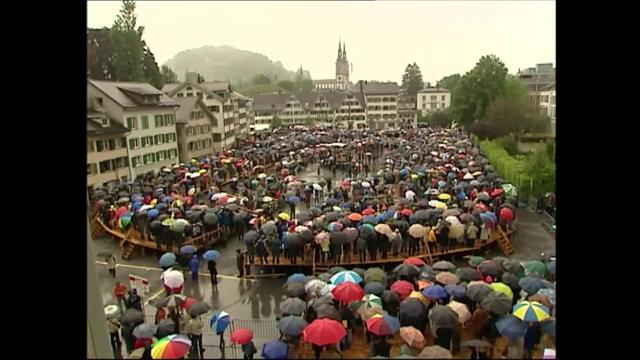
[
  {"x": 380, "y": 88},
  {"x": 265, "y": 101},
  {"x": 172, "y": 89},
  {"x": 114, "y": 90},
  {"x": 335, "y": 99},
  {"x": 435, "y": 90},
  {"x": 95, "y": 128},
  {"x": 187, "y": 104},
  {"x": 237, "y": 95},
  {"x": 325, "y": 81},
  {"x": 216, "y": 85}
]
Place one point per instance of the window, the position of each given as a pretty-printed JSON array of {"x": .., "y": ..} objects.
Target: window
[
  {"x": 180, "y": 95},
  {"x": 160, "y": 155},
  {"x": 433, "y": 106},
  {"x": 123, "y": 142},
  {"x": 174, "y": 153},
  {"x": 143, "y": 140},
  {"x": 92, "y": 169},
  {"x": 132, "y": 123},
  {"x": 105, "y": 166},
  {"x": 134, "y": 143},
  {"x": 443, "y": 97},
  {"x": 145, "y": 122},
  {"x": 424, "y": 98},
  {"x": 90, "y": 146},
  {"x": 190, "y": 146},
  {"x": 105, "y": 122},
  {"x": 135, "y": 161},
  {"x": 158, "y": 139},
  {"x": 189, "y": 94},
  {"x": 434, "y": 97},
  {"x": 112, "y": 144},
  {"x": 100, "y": 145},
  {"x": 217, "y": 137},
  {"x": 209, "y": 97},
  {"x": 158, "y": 120},
  {"x": 100, "y": 101}
]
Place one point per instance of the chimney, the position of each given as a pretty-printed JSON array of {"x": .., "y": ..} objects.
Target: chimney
[
  {"x": 191, "y": 77},
  {"x": 428, "y": 84}
]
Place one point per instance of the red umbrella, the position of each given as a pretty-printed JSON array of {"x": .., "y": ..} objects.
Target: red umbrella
[
  {"x": 186, "y": 304},
  {"x": 121, "y": 211},
  {"x": 406, "y": 212},
  {"x": 496, "y": 192},
  {"x": 403, "y": 288},
  {"x": 368, "y": 211},
  {"x": 347, "y": 292},
  {"x": 323, "y": 332},
  {"x": 241, "y": 336},
  {"x": 482, "y": 206},
  {"x": 506, "y": 214},
  {"x": 414, "y": 261}
]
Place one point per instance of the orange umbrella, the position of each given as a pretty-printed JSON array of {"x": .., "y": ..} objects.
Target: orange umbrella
[{"x": 354, "y": 217}]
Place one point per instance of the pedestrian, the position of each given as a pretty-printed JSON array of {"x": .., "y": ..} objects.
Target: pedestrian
[
  {"x": 471, "y": 234},
  {"x": 384, "y": 244},
  {"x": 396, "y": 240},
  {"x": 240, "y": 262},
  {"x": 134, "y": 301},
  {"x": 111, "y": 263},
  {"x": 485, "y": 234},
  {"x": 113, "y": 325},
  {"x": 194, "y": 332},
  {"x": 248, "y": 350},
  {"x": 119, "y": 291},
  {"x": 531, "y": 339},
  {"x": 160, "y": 315},
  {"x": 175, "y": 317},
  {"x": 213, "y": 271},
  {"x": 274, "y": 246},
  {"x": 261, "y": 249},
  {"x": 194, "y": 266},
  {"x": 361, "y": 246}
]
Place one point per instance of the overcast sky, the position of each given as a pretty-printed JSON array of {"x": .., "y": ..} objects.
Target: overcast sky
[{"x": 382, "y": 37}]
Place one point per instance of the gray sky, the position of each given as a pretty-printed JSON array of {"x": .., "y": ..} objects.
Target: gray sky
[{"x": 382, "y": 37}]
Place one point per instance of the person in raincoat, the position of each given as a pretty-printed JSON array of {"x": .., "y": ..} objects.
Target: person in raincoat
[{"x": 194, "y": 265}]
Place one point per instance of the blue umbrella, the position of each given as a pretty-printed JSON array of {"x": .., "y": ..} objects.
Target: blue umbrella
[
  {"x": 346, "y": 275},
  {"x": 549, "y": 326},
  {"x": 374, "y": 287},
  {"x": 345, "y": 205},
  {"x": 137, "y": 198},
  {"x": 219, "y": 321},
  {"x": 456, "y": 291},
  {"x": 136, "y": 205},
  {"x": 369, "y": 219},
  {"x": 382, "y": 217},
  {"x": 275, "y": 349},
  {"x": 296, "y": 277},
  {"x": 161, "y": 206},
  {"x": 435, "y": 292},
  {"x": 392, "y": 322},
  {"x": 511, "y": 327},
  {"x": 551, "y": 267},
  {"x": 291, "y": 325},
  {"x": 294, "y": 199},
  {"x": 211, "y": 255},
  {"x": 188, "y": 249},
  {"x": 167, "y": 259},
  {"x": 441, "y": 183},
  {"x": 404, "y": 172},
  {"x": 391, "y": 211},
  {"x": 530, "y": 284}
]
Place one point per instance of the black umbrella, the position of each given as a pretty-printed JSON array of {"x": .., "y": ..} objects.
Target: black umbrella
[
  {"x": 251, "y": 236},
  {"x": 293, "y": 239},
  {"x": 368, "y": 233},
  {"x": 483, "y": 197},
  {"x": 132, "y": 317},
  {"x": 443, "y": 317},
  {"x": 306, "y": 236},
  {"x": 512, "y": 266},
  {"x": 489, "y": 268},
  {"x": 165, "y": 327},
  {"x": 145, "y": 330},
  {"x": 476, "y": 343},
  {"x": 402, "y": 225},
  {"x": 511, "y": 280},
  {"x": 390, "y": 298},
  {"x": 291, "y": 325},
  {"x": 479, "y": 292},
  {"x": 412, "y": 311},
  {"x": 303, "y": 216},
  {"x": 444, "y": 265},
  {"x": 359, "y": 271},
  {"x": 351, "y": 234},
  {"x": 326, "y": 277},
  {"x": 294, "y": 288},
  {"x": 332, "y": 216},
  {"x": 210, "y": 218},
  {"x": 345, "y": 222},
  {"x": 375, "y": 288},
  {"x": 233, "y": 207},
  {"x": 497, "y": 303},
  {"x": 292, "y": 306},
  {"x": 406, "y": 270},
  {"x": 198, "y": 309},
  {"x": 339, "y": 237},
  {"x": 335, "y": 269},
  {"x": 324, "y": 310},
  {"x": 468, "y": 274},
  {"x": 422, "y": 204},
  {"x": 315, "y": 211}
]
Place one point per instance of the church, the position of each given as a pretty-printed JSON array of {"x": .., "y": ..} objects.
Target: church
[{"x": 341, "y": 82}]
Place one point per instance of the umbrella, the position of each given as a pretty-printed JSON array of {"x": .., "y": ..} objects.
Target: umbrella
[
  {"x": 284, "y": 216},
  {"x": 269, "y": 228},
  {"x": 530, "y": 285},
  {"x": 346, "y": 275},
  {"x": 406, "y": 270},
  {"x": 211, "y": 255},
  {"x": 535, "y": 267},
  {"x": 174, "y": 300},
  {"x": 383, "y": 325},
  {"x": 241, "y": 336},
  {"x": 512, "y": 266},
  {"x": 402, "y": 287},
  {"x": 530, "y": 311},
  {"x": 334, "y": 226},
  {"x": 326, "y": 277},
  {"x": 455, "y": 291},
  {"x": 417, "y": 231},
  {"x": 549, "y": 294},
  {"x": 374, "y": 288},
  {"x": 370, "y": 220},
  {"x": 479, "y": 292},
  {"x": 368, "y": 301},
  {"x": 548, "y": 326},
  {"x": 111, "y": 310},
  {"x": 476, "y": 343},
  {"x": 443, "y": 317},
  {"x": 314, "y": 285},
  {"x": 166, "y": 327},
  {"x": 347, "y": 292},
  {"x": 198, "y": 309},
  {"x": 497, "y": 303},
  {"x": 171, "y": 347},
  {"x": 323, "y": 332},
  {"x": 188, "y": 249},
  {"x": 447, "y": 278},
  {"x": 145, "y": 330},
  {"x": 293, "y": 306},
  {"x": 435, "y": 352},
  {"x": 444, "y": 265},
  {"x": 383, "y": 229},
  {"x": 511, "y": 327},
  {"x": 327, "y": 310},
  {"x": 461, "y": 310},
  {"x": 414, "y": 261},
  {"x": 489, "y": 268},
  {"x": 468, "y": 274},
  {"x": 173, "y": 279},
  {"x": 435, "y": 292},
  {"x": 412, "y": 336},
  {"x": 354, "y": 217},
  {"x": 210, "y": 218},
  {"x": 511, "y": 280},
  {"x": 502, "y": 288},
  {"x": 167, "y": 260},
  {"x": 219, "y": 321},
  {"x": 275, "y": 349},
  {"x": 294, "y": 288}
]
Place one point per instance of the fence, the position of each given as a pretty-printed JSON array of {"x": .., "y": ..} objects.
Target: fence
[{"x": 262, "y": 328}]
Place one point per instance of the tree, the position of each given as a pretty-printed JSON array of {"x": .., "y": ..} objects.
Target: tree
[
  {"x": 128, "y": 48},
  {"x": 303, "y": 84},
  {"x": 261, "y": 79},
  {"x": 449, "y": 82},
  {"x": 477, "y": 88},
  {"x": 99, "y": 54},
  {"x": 276, "y": 122},
  {"x": 542, "y": 170},
  {"x": 440, "y": 118},
  {"x": 412, "y": 79},
  {"x": 287, "y": 85},
  {"x": 168, "y": 75},
  {"x": 150, "y": 69}
]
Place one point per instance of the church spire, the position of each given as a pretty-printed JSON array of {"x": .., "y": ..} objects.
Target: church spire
[
  {"x": 344, "y": 51},
  {"x": 339, "y": 50}
]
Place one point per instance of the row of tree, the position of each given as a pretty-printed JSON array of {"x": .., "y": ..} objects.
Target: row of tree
[
  {"x": 120, "y": 53},
  {"x": 300, "y": 84}
]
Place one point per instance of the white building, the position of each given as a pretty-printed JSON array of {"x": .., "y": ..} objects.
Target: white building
[
  {"x": 432, "y": 99},
  {"x": 107, "y": 158},
  {"x": 148, "y": 114},
  {"x": 381, "y": 99},
  {"x": 193, "y": 124},
  {"x": 547, "y": 103}
]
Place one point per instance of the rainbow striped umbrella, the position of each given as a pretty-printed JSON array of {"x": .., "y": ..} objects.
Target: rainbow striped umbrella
[
  {"x": 383, "y": 325},
  {"x": 530, "y": 311},
  {"x": 171, "y": 347}
]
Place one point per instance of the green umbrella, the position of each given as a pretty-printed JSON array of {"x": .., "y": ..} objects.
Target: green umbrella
[
  {"x": 359, "y": 271},
  {"x": 210, "y": 218},
  {"x": 510, "y": 190},
  {"x": 375, "y": 274},
  {"x": 476, "y": 260},
  {"x": 535, "y": 266}
]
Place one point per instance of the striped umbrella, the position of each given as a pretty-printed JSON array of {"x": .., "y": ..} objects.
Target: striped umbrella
[
  {"x": 530, "y": 311},
  {"x": 383, "y": 325},
  {"x": 174, "y": 300},
  {"x": 220, "y": 321},
  {"x": 367, "y": 302},
  {"x": 171, "y": 347},
  {"x": 346, "y": 275}
]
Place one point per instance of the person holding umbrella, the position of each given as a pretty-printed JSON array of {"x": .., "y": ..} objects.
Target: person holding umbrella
[
  {"x": 194, "y": 332},
  {"x": 531, "y": 339},
  {"x": 113, "y": 325},
  {"x": 194, "y": 266},
  {"x": 240, "y": 262}
]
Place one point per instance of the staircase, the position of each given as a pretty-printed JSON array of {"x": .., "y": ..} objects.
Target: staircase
[{"x": 503, "y": 242}]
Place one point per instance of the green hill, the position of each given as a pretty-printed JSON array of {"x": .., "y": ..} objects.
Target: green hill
[{"x": 254, "y": 90}]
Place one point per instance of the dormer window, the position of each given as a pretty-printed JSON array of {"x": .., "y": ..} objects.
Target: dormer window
[
  {"x": 105, "y": 122},
  {"x": 99, "y": 101}
]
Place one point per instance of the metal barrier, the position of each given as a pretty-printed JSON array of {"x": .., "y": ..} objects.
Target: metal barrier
[{"x": 262, "y": 328}]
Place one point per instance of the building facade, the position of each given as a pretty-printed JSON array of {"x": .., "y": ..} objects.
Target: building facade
[
  {"x": 432, "y": 99},
  {"x": 341, "y": 81},
  {"x": 107, "y": 156},
  {"x": 193, "y": 124},
  {"x": 407, "y": 113},
  {"x": 381, "y": 99},
  {"x": 541, "y": 84},
  {"x": 149, "y": 116}
]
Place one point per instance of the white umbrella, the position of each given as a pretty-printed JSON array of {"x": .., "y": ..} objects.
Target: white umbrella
[
  {"x": 217, "y": 196},
  {"x": 167, "y": 170},
  {"x": 460, "y": 309},
  {"x": 468, "y": 176},
  {"x": 317, "y": 187},
  {"x": 383, "y": 229},
  {"x": 262, "y": 176},
  {"x": 417, "y": 230},
  {"x": 456, "y": 230},
  {"x": 366, "y": 184},
  {"x": 173, "y": 279},
  {"x": 195, "y": 175},
  {"x": 267, "y": 199}
]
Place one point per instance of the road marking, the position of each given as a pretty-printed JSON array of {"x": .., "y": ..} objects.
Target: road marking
[
  {"x": 154, "y": 296},
  {"x": 229, "y": 277}
]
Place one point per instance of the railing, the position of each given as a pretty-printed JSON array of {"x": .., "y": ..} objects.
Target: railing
[{"x": 261, "y": 328}]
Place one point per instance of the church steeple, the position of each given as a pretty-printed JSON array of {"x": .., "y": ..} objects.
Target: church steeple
[
  {"x": 339, "y": 50},
  {"x": 344, "y": 51}
]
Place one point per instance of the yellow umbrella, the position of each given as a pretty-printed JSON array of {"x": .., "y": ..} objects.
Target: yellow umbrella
[
  {"x": 414, "y": 176},
  {"x": 477, "y": 173},
  {"x": 202, "y": 171},
  {"x": 444, "y": 197},
  {"x": 417, "y": 295},
  {"x": 500, "y": 287},
  {"x": 441, "y": 205},
  {"x": 194, "y": 161},
  {"x": 284, "y": 216}
]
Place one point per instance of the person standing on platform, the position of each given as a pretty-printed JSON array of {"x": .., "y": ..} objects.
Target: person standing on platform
[
  {"x": 240, "y": 262},
  {"x": 361, "y": 245}
]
